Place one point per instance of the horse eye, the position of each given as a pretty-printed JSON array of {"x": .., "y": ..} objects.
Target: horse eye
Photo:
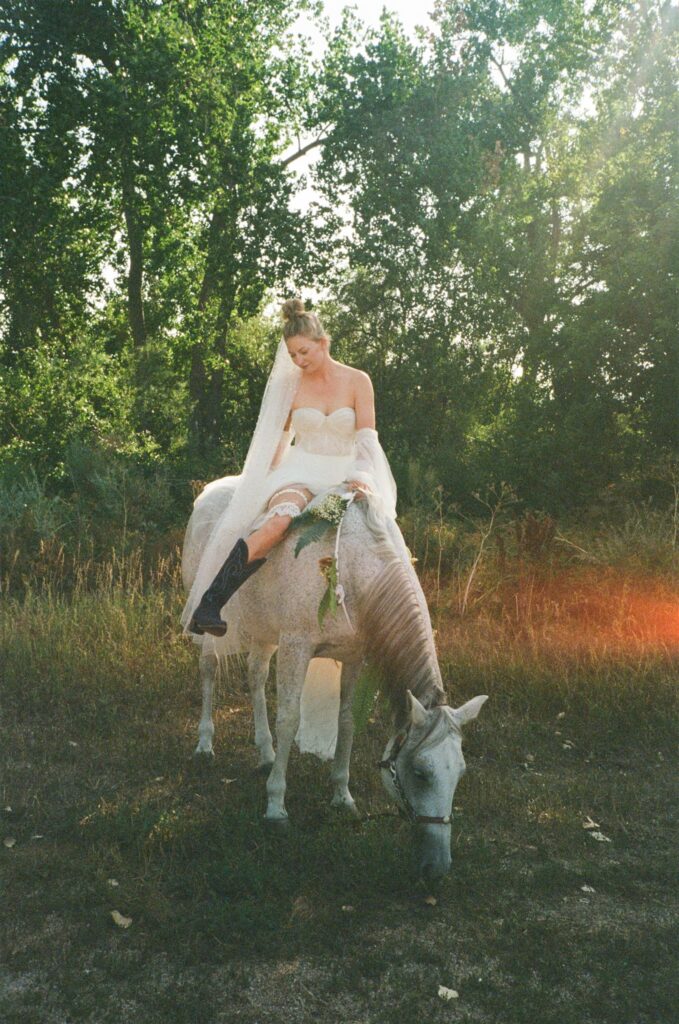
[{"x": 422, "y": 773}]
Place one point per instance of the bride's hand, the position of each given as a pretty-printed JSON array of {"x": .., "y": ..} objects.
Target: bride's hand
[{"x": 359, "y": 488}]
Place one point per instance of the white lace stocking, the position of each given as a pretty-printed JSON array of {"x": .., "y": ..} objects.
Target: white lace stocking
[{"x": 285, "y": 508}]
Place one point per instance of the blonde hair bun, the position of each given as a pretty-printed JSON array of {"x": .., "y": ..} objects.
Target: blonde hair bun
[
  {"x": 299, "y": 321},
  {"x": 291, "y": 309}
]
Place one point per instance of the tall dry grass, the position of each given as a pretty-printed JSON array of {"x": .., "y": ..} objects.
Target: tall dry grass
[{"x": 539, "y": 616}]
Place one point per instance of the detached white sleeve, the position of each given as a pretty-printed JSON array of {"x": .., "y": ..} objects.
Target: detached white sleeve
[{"x": 372, "y": 469}]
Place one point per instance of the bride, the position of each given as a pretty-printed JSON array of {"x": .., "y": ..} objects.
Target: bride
[{"x": 328, "y": 408}]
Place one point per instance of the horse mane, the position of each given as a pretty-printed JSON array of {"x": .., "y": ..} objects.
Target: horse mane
[{"x": 398, "y": 640}]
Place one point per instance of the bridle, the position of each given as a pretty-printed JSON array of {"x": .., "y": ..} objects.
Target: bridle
[{"x": 407, "y": 809}]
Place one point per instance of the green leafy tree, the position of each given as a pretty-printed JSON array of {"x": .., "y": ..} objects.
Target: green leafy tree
[{"x": 177, "y": 116}]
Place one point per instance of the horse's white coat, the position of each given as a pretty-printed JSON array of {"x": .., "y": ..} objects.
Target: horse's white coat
[{"x": 279, "y": 607}]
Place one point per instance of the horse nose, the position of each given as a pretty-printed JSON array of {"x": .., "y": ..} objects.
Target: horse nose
[{"x": 431, "y": 870}]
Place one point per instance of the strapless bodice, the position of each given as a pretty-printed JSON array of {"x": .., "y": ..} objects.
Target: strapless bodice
[{"x": 322, "y": 434}]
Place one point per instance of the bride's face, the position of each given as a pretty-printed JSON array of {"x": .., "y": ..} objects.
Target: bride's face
[{"x": 306, "y": 353}]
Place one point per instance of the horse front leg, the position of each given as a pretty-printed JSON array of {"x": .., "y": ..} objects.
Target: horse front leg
[
  {"x": 294, "y": 655},
  {"x": 207, "y": 667},
  {"x": 345, "y": 737},
  {"x": 258, "y": 672}
]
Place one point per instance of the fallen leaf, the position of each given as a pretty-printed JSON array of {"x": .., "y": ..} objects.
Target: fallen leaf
[
  {"x": 587, "y": 888},
  {"x": 568, "y": 745},
  {"x": 120, "y": 920},
  {"x": 599, "y": 836},
  {"x": 227, "y": 782},
  {"x": 431, "y": 901},
  {"x": 9, "y": 842},
  {"x": 113, "y": 882},
  {"x": 347, "y": 908},
  {"x": 530, "y": 758},
  {"x": 448, "y": 993},
  {"x": 37, "y": 836},
  {"x": 8, "y": 809},
  {"x": 302, "y": 908},
  {"x": 159, "y": 778},
  {"x": 588, "y": 823},
  {"x": 562, "y": 714},
  {"x": 72, "y": 743}
]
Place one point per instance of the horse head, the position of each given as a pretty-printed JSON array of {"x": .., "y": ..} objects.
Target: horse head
[{"x": 421, "y": 767}]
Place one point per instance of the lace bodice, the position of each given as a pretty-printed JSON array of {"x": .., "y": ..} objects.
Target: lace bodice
[{"x": 325, "y": 435}]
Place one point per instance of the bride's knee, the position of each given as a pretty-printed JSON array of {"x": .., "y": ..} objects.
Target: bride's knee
[
  {"x": 288, "y": 502},
  {"x": 283, "y": 507}
]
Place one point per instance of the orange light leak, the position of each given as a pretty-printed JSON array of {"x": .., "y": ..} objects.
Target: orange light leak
[
  {"x": 577, "y": 611},
  {"x": 621, "y": 611}
]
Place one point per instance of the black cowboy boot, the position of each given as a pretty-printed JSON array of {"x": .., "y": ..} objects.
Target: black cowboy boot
[{"x": 231, "y": 576}]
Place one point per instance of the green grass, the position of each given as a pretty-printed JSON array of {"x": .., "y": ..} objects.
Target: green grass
[{"x": 231, "y": 922}]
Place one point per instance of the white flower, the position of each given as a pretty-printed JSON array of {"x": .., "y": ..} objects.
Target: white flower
[{"x": 332, "y": 509}]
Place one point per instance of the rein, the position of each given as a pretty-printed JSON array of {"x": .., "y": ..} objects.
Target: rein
[{"x": 389, "y": 765}]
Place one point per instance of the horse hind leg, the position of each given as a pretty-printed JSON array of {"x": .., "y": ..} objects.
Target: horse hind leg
[
  {"x": 207, "y": 668},
  {"x": 258, "y": 672},
  {"x": 342, "y": 798}
]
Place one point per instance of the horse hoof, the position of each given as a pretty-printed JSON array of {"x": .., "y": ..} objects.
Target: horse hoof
[
  {"x": 348, "y": 810},
  {"x": 279, "y": 825},
  {"x": 203, "y": 756}
]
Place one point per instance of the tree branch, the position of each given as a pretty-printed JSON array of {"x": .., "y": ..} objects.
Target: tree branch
[
  {"x": 501, "y": 69},
  {"x": 303, "y": 150}
]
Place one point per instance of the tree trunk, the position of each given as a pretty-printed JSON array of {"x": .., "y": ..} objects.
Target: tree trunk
[
  {"x": 205, "y": 388},
  {"x": 135, "y": 248}
]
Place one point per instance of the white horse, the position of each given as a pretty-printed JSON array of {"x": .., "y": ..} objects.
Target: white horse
[{"x": 423, "y": 760}]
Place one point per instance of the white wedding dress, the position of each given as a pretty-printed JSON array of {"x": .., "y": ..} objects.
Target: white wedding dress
[{"x": 323, "y": 454}]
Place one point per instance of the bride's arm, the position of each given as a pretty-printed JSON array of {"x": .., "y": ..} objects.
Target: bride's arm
[
  {"x": 364, "y": 402},
  {"x": 360, "y": 477}
]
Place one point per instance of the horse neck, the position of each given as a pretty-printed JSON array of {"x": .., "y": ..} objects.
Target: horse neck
[{"x": 399, "y": 640}]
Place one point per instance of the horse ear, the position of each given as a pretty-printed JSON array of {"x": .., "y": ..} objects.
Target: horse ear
[
  {"x": 418, "y": 714},
  {"x": 470, "y": 710}
]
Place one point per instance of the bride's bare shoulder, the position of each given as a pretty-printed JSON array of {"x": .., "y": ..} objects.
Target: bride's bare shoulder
[
  {"x": 359, "y": 378},
  {"x": 362, "y": 384}
]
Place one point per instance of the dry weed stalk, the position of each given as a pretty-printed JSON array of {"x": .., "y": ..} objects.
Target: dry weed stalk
[{"x": 503, "y": 499}]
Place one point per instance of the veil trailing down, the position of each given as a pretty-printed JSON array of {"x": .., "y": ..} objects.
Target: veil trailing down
[
  {"x": 332, "y": 447},
  {"x": 249, "y": 495}
]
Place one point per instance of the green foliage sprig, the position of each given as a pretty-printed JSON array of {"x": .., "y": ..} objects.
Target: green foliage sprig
[
  {"x": 365, "y": 698},
  {"x": 317, "y": 521}
]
